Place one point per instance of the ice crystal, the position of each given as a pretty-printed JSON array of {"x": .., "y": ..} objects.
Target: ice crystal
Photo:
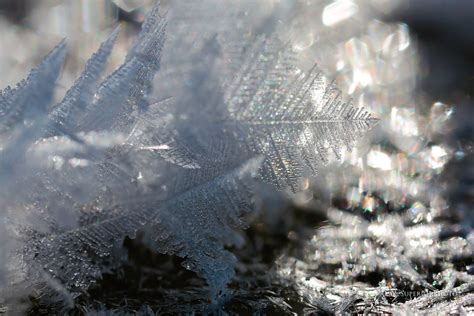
[
  {"x": 194, "y": 223},
  {"x": 82, "y": 92},
  {"x": 64, "y": 153},
  {"x": 23, "y": 108},
  {"x": 295, "y": 119},
  {"x": 106, "y": 162}
]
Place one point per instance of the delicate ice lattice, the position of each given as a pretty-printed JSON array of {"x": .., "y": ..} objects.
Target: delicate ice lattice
[
  {"x": 86, "y": 174},
  {"x": 269, "y": 107}
]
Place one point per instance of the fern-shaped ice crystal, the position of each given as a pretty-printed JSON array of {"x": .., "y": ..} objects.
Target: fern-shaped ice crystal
[
  {"x": 291, "y": 117},
  {"x": 269, "y": 107}
]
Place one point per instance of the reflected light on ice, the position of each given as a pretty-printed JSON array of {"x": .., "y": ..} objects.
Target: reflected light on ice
[
  {"x": 339, "y": 11},
  {"x": 404, "y": 121},
  {"x": 379, "y": 160},
  {"x": 438, "y": 157}
]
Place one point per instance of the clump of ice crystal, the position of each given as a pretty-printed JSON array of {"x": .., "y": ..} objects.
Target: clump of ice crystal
[{"x": 105, "y": 162}]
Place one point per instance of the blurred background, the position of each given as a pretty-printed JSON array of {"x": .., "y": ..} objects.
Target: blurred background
[{"x": 410, "y": 62}]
